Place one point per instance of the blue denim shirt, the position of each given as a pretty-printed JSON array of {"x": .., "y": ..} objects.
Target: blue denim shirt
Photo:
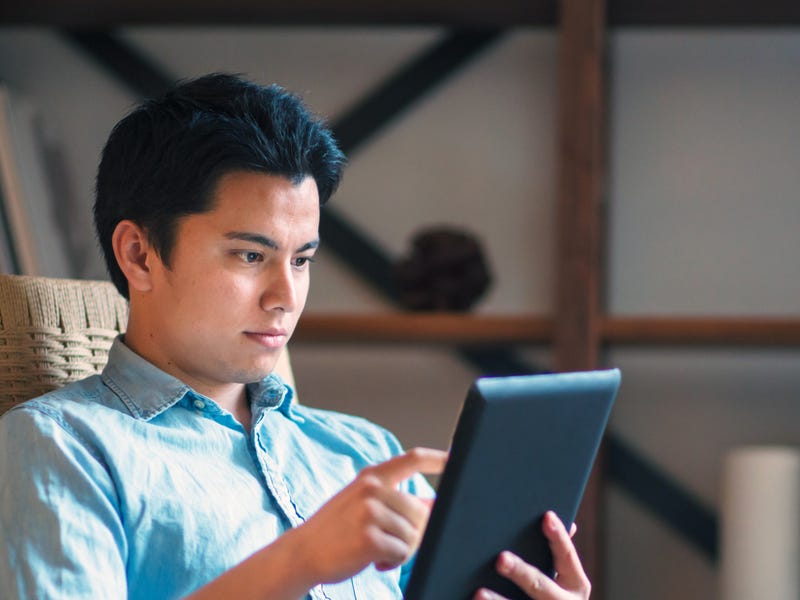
[{"x": 131, "y": 485}]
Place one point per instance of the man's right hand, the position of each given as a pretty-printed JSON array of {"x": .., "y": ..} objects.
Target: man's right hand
[{"x": 369, "y": 521}]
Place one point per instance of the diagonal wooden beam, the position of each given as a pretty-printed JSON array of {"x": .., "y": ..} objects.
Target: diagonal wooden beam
[
  {"x": 121, "y": 61},
  {"x": 404, "y": 88},
  {"x": 663, "y": 497}
]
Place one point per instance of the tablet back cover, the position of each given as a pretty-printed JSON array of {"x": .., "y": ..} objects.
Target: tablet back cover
[{"x": 522, "y": 446}]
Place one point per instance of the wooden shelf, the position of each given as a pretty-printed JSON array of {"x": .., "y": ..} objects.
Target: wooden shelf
[
  {"x": 732, "y": 331},
  {"x": 460, "y": 329},
  {"x": 425, "y": 328}
]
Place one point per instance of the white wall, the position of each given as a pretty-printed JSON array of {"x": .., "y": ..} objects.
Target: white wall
[
  {"x": 705, "y": 161},
  {"x": 705, "y": 173}
]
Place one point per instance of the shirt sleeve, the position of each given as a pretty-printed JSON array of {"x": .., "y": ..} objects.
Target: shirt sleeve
[{"x": 62, "y": 536}]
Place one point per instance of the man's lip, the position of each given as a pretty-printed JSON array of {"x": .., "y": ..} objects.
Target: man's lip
[
  {"x": 268, "y": 332},
  {"x": 272, "y": 338}
]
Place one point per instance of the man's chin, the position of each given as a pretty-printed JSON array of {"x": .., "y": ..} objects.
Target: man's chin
[{"x": 254, "y": 374}]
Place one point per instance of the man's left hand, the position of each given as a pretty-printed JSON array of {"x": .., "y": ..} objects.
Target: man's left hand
[{"x": 570, "y": 582}]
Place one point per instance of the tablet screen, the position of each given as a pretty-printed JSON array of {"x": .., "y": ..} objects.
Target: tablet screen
[{"x": 522, "y": 446}]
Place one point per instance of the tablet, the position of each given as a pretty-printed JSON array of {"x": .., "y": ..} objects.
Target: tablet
[{"x": 522, "y": 446}]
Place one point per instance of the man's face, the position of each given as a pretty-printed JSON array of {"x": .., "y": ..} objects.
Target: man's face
[{"x": 237, "y": 282}]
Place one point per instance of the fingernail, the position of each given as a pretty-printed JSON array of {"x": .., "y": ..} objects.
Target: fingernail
[
  {"x": 505, "y": 563},
  {"x": 552, "y": 520}
]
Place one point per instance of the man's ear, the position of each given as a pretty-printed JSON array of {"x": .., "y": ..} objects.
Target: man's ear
[{"x": 134, "y": 254}]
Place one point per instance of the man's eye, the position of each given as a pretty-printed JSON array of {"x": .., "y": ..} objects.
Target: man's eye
[
  {"x": 302, "y": 261},
  {"x": 251, "y": 257}
]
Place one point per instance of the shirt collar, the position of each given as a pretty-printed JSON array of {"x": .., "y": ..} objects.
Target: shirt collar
[
  {"x": 148, "y": 391},
  {"x": 270, "y": 393}
]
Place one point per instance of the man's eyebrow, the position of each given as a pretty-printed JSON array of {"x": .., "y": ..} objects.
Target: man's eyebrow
[
  {"x": 255, "y": 238},
  {"x": 263, "y": 240},
  {"x": 309, "y": 246}
]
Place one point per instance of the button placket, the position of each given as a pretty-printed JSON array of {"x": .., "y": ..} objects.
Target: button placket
[
  {"x": 276, "y": 483},
  {"x": 318, "y": 593},
  {"x": 281, "y": 492}
]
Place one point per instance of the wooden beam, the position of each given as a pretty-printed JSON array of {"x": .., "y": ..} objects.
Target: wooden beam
[
  {"x": 699, "y": 331},
  {"x": 114, "y": 13},
  {"x": 466, "y": 13},
  {"x": 581, "y": 174},
  {"x": 703, "y": 13},
  {"x": 122, "y": 61},
  {"x": 452, "y": 329},
  {"x": 424, "y": 328}
]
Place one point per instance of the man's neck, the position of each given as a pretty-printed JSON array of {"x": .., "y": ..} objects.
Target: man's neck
[
  {"x": 231, "y": 396},
  {"x": 237, "y": 403}
]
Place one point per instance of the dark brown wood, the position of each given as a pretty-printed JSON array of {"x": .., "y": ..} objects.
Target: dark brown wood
[
  {"x": 113, "y": 13},
  {"x": 733, "y": 331},
  {"x": 581, "y": 174},
  {"x": 470, "y": 13},
  {"x": 470, "y": 329},
  {"x": 709, "y": 13},
  {"x": 424, "y": 328}
]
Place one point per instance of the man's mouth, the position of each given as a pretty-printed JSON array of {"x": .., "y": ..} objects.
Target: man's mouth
[{"x": 271, "y": 338}]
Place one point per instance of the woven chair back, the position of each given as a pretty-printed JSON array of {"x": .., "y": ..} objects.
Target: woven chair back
[{"x": 53, "y": 332}]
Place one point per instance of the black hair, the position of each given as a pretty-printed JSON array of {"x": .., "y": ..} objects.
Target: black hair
[{"x": 164, "y": 160}]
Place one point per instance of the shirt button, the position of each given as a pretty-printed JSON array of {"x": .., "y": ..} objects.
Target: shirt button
[{"x": 199, "y": 404}]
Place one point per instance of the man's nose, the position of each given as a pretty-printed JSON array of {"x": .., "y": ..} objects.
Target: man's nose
[{"x": 279, "y": 290}]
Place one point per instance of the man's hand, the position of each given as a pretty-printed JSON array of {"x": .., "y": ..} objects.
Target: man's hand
[
  {"x": 570, "y": 583},
  {"x": 369, "y": 521}
]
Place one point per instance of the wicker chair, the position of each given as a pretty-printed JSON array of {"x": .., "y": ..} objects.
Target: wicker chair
[{"x": 54, "y": 331}]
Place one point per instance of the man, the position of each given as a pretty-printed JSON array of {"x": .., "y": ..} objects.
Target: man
[{"x": 185, "y": 468}]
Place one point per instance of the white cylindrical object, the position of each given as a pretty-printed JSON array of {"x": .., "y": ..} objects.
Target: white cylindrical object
[{"x": 760, "y": 524}]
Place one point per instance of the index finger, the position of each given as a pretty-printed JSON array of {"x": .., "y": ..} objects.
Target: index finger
[
  {"x": 416, "y": 460},
  {"x": 565, "y": 558}
]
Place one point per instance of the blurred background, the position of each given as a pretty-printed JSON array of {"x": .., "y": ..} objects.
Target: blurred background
[{"x": 701, "y": 175}]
